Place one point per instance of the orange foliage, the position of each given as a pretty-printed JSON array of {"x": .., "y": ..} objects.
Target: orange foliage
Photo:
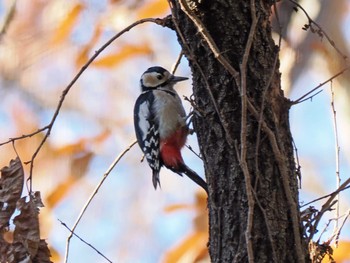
[
  {"x": 341, "y": 254},
  {"x": 194, "y": 247},
  {"x": 153, "y": 9},
  {"x": 191, "y": 249},
  {"x": 126, "y": 52},
  {"x": 66, "y": 26},
  {"x": 80, "y": 157}
]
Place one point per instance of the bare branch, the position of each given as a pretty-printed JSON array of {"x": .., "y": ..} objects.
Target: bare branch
[
  {"x": 210, "y": 41},
  {"x": 105, "y": 175},
  {"x": 344, "y": 186},
  {"x": 8, "y": 19},
  {"x": 337, "y": 152},
  {"x": 82, "y": 240},
  {"x": 338, "y": 230},
  {"x": 320, "y": 85},
  {"x": 204, "y": 78},
  {"x": 12, "y": 140},
  {"x": 177, "y": 63},
  {"x": 310, "y": 97},
  {"x": 278, "y": 153},
  {"x": 319, "y": 30},
  {"x": 196, "y": 154}
]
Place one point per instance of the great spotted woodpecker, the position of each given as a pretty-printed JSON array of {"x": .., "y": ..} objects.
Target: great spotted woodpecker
[{"x": 160, "y": 124}]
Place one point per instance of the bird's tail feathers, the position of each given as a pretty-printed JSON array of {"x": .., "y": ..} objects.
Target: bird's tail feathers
[
  {"x": 183, "y": 168},
  {"x": 155, "y": 179}
]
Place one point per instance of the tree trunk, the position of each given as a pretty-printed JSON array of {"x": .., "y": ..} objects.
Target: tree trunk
[{"x": 242, "y": 124}]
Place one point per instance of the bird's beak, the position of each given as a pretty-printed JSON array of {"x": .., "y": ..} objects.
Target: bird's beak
[{"x": 175, "y": 79}]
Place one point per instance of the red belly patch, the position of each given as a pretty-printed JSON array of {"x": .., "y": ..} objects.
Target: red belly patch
[{"x": 170, "y": 148}]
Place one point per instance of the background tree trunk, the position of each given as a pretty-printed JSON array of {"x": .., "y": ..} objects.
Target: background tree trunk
[{"x": 256, "y": 208}]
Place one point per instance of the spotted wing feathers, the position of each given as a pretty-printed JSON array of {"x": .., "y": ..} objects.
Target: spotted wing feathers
[{"x": 147, "y": 133}]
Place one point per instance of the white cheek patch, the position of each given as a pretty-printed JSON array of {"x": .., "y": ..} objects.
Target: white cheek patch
[{"x": 150, "y": 80}]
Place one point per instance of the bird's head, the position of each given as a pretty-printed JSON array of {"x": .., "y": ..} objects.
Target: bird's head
[{"x": 158, "y": 77}]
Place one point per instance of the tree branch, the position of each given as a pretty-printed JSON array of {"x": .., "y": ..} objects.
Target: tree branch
[
  {"x": 82, "y": 240},
  {"x": 105, "y": 175},
  {"x": 319, "y": 86},
  {"x": 319, "y": 30}
]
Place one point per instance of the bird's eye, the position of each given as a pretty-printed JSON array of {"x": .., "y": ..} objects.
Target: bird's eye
[{"x": 159, "y": 77}]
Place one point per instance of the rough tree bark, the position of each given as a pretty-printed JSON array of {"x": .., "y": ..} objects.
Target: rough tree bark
[{"x": 243, "y": 130}]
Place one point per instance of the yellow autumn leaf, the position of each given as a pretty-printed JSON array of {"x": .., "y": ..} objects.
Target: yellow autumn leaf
[
  {"x": 79, "y": 166},
  {"x": 82, "y": 144},
  {"x": 66, "y": 26},
  {"x": 341, "y": 254},
  {"x": 60, "y": 191},
  {"x": 189, "y": 250},
  {"x": 153, "y": 9},
  {"x": 124, "y": 53},
  {"x": 176, "y": 207}
]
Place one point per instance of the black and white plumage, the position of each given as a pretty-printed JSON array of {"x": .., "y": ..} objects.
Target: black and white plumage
[
  {"x": 147, "y": 132},
  {"x": 160, "y": 124}
]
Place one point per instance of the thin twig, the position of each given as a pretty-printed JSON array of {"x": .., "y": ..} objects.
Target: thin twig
[
  {"x": 105, "y": 175},
  {"x": 243, "y": 135},
  {"x": 298, "y": 167},
  {"x": 82, "y": 240},
  {"x": 337, "y": 233},
  {"x": 177, "y": 62},
  {"x": 337, "y": 152},
  {"x": 190, "y": 148},
  {"x": 12, "y": 140},
  {"x": 8, "y": 19},
  {"x": 326, "y": 207},
  {"x": 342, "y": 187},
  {"x": 266, "y": 88},
  {"x": 204, "y": 78},
  {"x": 310, "y": 97},
  {"x": 210, "y": 41},
  {"x": 324, "y": 229},
  {"x": 258, "y": 137},
  {"x": 319, "y": 29},
  {"x": 320, "y": 85},
  {"x": 280, "y": 160},
  {"x": 268, "y": 227}
]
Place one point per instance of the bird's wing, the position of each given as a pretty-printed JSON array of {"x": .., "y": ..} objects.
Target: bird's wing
[{"x": 148, "y": 133}]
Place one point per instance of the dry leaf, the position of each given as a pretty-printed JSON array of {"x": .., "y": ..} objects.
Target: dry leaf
[
  {"x": 79, "y": 165},
  {"x": 4, "y": 248},
  {"x": 82, "y": 144},
  {"x": 11, "y": 185},
  {"x": 26, "y": 229},
  {"x": 43, "y": 255},
  {"x": 60, "y": 191},
  {"x": 125, "y": 53}
]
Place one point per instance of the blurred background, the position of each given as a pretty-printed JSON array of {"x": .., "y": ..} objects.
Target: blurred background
[{"x": 43, "y": 45}]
